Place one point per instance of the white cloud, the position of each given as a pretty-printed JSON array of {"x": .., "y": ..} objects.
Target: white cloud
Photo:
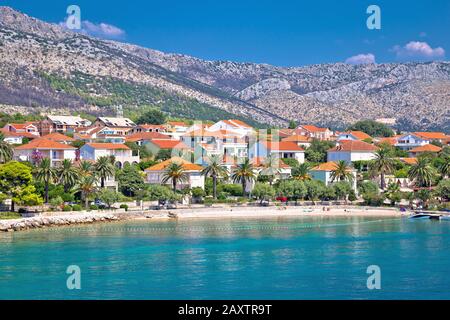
[
  {"x": 361, "y": 59},
  {"x": 419, "y": 49},
  {"x": 101, "y": 30}
]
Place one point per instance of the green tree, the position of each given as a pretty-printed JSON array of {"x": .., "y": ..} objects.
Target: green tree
[
  {"x": 342, "y": 172},
  {"x": 16, "y": 183},
  {"x": 243, "y": 174},
  {"x": 422, "y": 172},
  {"x": 382, "y": 164},
  {"x": 368, "y": 187},
  {"x": 314, "y": 189},
  {"x": 153, "y": 116},
  {"x": 68, "y": 175},
  {"x": 85, "y": 168},
  {"x": 109, "y": 197},
  {"x": 393, "y": 193},
  {"x": 215, "y": 170},
  {"x": 6, "y": 151},
  {"x": 444, "y": 168},
  {"x": 104, "y": 169},
  {"x": 46, "y": 174},
  {"x": 372, "y": 128},
  {"x": 301, "y": 172},
  {"x": 130, "y": 180},
  {"x": 443, "y": 190},
  {"x": 270, "y": 168},
  {"x": 88, "y": 188},
  {"x": 342, "y": 189},
  {"x": 263, "y": 191},
  {"x": 176, "y": 173},
  {"x": 317, "y": 151},
  {"x": 292, "y": 124}
]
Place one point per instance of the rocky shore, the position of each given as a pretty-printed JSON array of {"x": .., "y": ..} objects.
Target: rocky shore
[{"x": 51, "y": 221}]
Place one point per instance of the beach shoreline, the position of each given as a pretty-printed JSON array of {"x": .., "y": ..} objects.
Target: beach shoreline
[{"x": 220, "y": 212}]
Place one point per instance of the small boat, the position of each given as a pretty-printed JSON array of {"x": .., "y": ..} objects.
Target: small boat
[{"x": 420, "y": 216}]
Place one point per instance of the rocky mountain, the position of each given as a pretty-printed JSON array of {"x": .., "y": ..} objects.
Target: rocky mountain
[{"x": 45, "y": 66}]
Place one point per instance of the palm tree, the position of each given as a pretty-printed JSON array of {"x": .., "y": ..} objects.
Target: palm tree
[
  {"x": 215, "y": 170},
  {"x": 422, "y": 172},
  {"x": 382, "y": 164},
  {"x": 445, "y": 167},
  {"x": 87, "y": 186},
  {"x": 271, "y": 168},
  {"x": 6, "y": 151},
  {"x": 85, "y": 168},
  {"x": 342, "y": 172},
  {"x": 46, "y": 174},
  {"x": 301, "y": 172},
  {"x": 68, "y": 175},
  {"x": 104, "y": 168},
  {"x": 175, "y": 172},
  {"x": 244, "y": 173}
]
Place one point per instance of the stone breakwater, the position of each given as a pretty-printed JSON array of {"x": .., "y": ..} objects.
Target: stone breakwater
[{"x": 52, "y": 221}]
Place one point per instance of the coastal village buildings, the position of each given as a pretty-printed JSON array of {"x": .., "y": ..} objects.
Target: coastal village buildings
[
  {"x": 122, "y": 154},
  {"x": 155, "y": 174},
  {"x": 323, "y": 172},
  {"x": 61, "y": 124},
  {"x": 352, "y": 150},
  {"x": 73, "y": 138},
  {"x": 45, "y": 148}
]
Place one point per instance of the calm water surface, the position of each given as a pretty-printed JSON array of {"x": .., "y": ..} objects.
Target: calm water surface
[{"x": 285, "y": 258}]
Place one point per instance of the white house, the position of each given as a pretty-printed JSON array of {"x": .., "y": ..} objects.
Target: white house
[
  {"x": 13, "y": 137},
  {"x": 349, "y": 151},
  {"x": 155, "y": 174},
  {"x": 232, "y": 125},
  {"x": 353, "y": 135},
  {"x": 121, "y": 153},
  {"x": 44, "y": 148},
  {"x": 27, "y": 127},
  {"x": 280, "y": 149},
  {"x": 323, "y": 172},
  {"x": 411, "y": 141}
]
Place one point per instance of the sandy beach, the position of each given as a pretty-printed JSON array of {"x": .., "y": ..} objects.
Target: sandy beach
[{"x": 261, "y": 212}]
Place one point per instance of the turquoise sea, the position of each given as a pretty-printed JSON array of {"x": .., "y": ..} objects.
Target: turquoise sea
[{"x": 284, "y": 258}]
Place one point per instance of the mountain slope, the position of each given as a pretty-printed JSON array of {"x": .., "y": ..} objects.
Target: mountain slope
[{"x": 43, "y": 65}]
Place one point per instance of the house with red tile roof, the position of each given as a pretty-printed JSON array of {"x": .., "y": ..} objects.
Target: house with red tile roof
[
  {"x": 353, "y": 135},
  {"x": 279, "y": 149},
  {"x": 61, "y": 124},
  {"x": 232, "y": 125},
  {"x": 13, "y": 137},
  {"x": 433, "y": 136},
  {"x": 148, "y": 128},
  {"x": 428, "y": 148},
  {"x": 27, "y": 127},
  {"x": 301, "y": 141},
  {"x": 155, "y": 174},
  {"x": 40, "y": 148},
  {"x": 59, "y": 137},
  {"x": 121, "y": 152},
  {"x": 314, "y": 132},
  {"x": 418, "y": 139},
  {"x": 142, "y": 138},
  {"x": 352, "y": 150},
  {"x": 323, "y": 172}
]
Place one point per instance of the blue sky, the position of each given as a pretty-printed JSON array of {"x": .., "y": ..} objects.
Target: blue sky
[{"x": 285, "y": 33}]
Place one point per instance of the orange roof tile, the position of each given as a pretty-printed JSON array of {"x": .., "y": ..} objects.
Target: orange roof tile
[
  {"x": 7, "y": 133},
  {"x": 56, "y": 136},
  {"x": 432, "y": 135},
  {"x": 426, "y": 148},
  {"x": 327, "y": 166},
  {"x": 358, "y": 135},
  {"x": 390, "y": 140},
  {"x": 261, "y": 161},
  {"x": 353, "y": 145},
  {"x": 177, "y": 123},
  {"x": 297, "y": 138},
  {"x": 109, "y": 146},
  {"x": 282, "y": 146},
  {"x": 313, "y": 128},
  {"x": 146, "y": 136},
  {"x": 169, "y": 144},
  {"x": 410, "y": 161},
  {"x": 45, "y": 144},
  {"x": 188, "y": 166}
]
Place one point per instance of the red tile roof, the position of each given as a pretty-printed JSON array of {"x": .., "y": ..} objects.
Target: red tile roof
[
  {"x": 282, "y": 146},
  {"x": 313, "y": 128},
  {"x": 431, "y": 135},
  {"x": 410, "y": 161},
  {"x": 261, "y": 161},
  {"x": 188, "y": 166},
  {"x": 45, "y": 144},
  {"x": 146, "y": 136},
  {"x": 109, "y": 146},
  {"x": 358, "y": 135},
  {"x": 426, "y": 148},
  {"x": 297, "y": 138},
  {"x": 8, "y": 133},
  {"x": 327, "y": 166},
  {"x": 56, "y": 136},
  {"x": 169, "y": 144},
  {"x": 353, "y": 145}
]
